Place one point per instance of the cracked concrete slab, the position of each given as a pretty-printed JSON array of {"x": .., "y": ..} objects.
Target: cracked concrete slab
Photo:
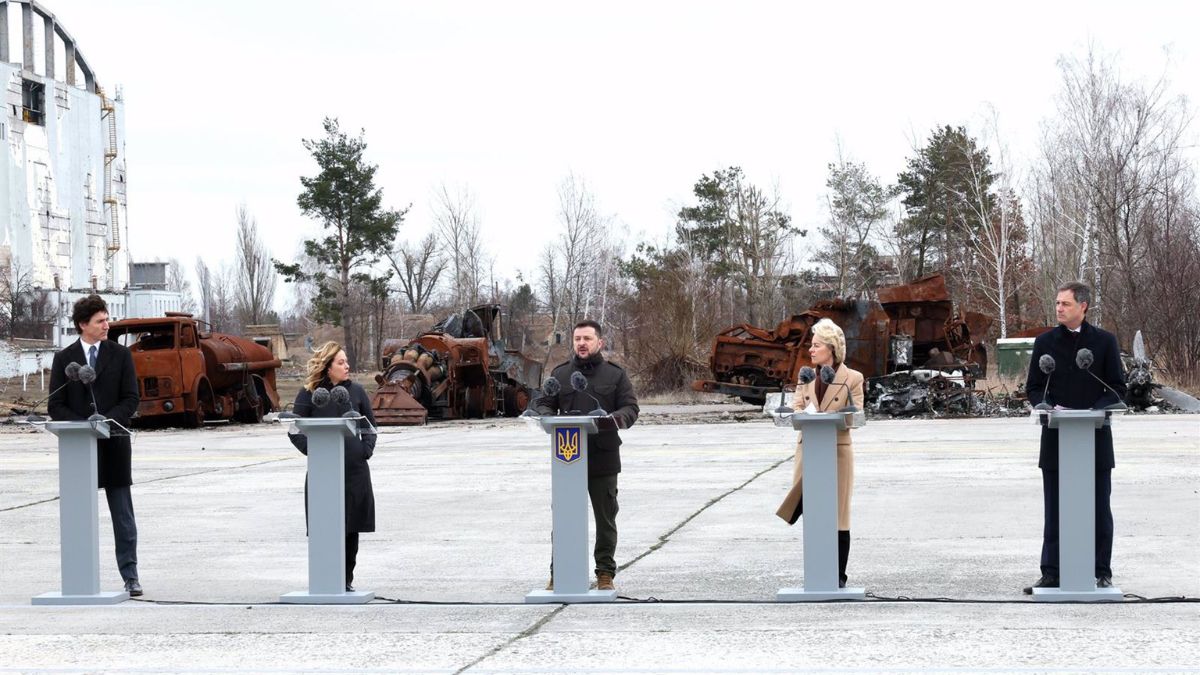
[{"x": 942, "y": 508}]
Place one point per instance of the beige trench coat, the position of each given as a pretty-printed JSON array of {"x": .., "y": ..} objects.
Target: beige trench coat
[{"x": 835, "y": 399}]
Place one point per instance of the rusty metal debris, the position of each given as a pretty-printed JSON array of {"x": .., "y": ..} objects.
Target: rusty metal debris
[
  {"x": 1142, "y": 392},
  {"x": 917, "y": 354},
  {"x": 458, "y": 369},
  {"x": 187, "y": 373}
]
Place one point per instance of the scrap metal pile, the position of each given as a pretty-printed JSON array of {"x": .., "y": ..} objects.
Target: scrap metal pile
[
  {"x": 458, "y": 369},
  {"x": 917, "y": 354}
]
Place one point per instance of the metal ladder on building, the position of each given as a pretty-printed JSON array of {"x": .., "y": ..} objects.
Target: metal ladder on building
[{"x": 108, "y": 112}]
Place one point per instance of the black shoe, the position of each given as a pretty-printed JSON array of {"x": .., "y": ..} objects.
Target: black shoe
[
  {"x": 133, "y": 588},
  {"x": 841, "y": 583},
  {"x": 1046, "y": 581},
  {"x": 349, "y": 588},
  {"x": 1104, "y": 582}
]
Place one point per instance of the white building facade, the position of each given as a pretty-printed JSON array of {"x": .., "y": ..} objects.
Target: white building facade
[{"x": 63, "y": 222}]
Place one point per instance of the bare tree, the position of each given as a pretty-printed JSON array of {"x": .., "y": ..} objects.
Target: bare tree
[
  {"x": 999, "y": 262},
  {"x": 858, "y": 205},
  {"x": 177, "y": 281},
  {"x": 1108, "y": 159},
  {"x": 457, "y": 226},
  {"x": 1113, "y": 199},
  {"x": 419, "y": 269},
  {"x": 17, "y": 300},
  {"x": 223, "y": 308},
  {"x": 204, "y": 285},
  {"x": 254, "y": 285}
]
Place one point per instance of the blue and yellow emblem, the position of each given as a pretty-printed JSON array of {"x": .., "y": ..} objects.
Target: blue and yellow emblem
[{"x": 566, "y": 444}]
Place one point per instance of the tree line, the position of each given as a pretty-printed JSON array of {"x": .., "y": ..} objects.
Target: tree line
[{"x": 1110, "y": 198}]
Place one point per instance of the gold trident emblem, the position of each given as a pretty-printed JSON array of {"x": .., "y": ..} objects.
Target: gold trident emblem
[{"x": 568, "y": 444}]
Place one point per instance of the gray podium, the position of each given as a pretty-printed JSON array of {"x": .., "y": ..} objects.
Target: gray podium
[
  {"x": 1077, "y": 508},
  {"x": 569, "y": 505},
  {"x": 821, "y": 508},
  {"x": 79, "y": 524},
  {"x": 327, "y": 513}
]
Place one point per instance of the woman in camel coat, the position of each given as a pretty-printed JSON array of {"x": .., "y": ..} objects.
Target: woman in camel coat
[{"x": 828, "y": 349}]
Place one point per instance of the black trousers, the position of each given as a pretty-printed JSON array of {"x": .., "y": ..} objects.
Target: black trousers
[
  {"x": 603, "y": 492},
  {"x": 1104, "y": 523},
  {"x": 120, "y": 507},
  {"x": 351, "y": 555}
]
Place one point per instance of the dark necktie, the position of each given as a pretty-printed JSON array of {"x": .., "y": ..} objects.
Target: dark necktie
[{"x": 92, "y": 356}]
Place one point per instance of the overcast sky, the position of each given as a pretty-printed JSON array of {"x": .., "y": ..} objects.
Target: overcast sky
[{"x": 506, "y": 98}]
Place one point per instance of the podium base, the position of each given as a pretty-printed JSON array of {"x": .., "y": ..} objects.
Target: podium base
[
  {"x": 103, "y": 598},
  {"x": 1059, "y": 595},
  {"x": 801, "y": 595},
  {"x": 306, "y": 598},
  {"x": 554, "y": 597}
]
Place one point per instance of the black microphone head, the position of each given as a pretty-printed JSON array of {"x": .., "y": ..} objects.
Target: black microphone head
[
  {"x": 340, "y": 395},
  {"x": 807, "y": 375},
  {"x": 1084, "y": 358},
  {"x": 1046, "y": 363},
  {"x": 827, "y": 374},
  {"x": 579, "y": 381},
  {"x": 551, "y": 386},
  {"x": 87, "y": 374},
  {"x": 72, "y": 371},
  {"x": 320, "y": 396}
]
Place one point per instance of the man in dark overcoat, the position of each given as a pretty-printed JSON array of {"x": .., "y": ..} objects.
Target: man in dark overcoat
[
  {"x": 610, "y": 386},
  {"x": 1072, "y": 387},
  {"x": 114, "y": 394}
]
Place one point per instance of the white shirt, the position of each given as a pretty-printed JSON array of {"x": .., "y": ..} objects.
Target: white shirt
[{"x": 87, "y": 346}]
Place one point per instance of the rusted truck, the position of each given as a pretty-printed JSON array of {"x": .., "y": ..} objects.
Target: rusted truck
[
  {"x": 458, "y": 369},
  {"x": 188, "y": 374},
  {"x": 911, "y": 346}
]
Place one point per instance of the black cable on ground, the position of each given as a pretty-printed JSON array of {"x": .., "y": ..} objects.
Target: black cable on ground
[{"x": 1127, "y": 599}]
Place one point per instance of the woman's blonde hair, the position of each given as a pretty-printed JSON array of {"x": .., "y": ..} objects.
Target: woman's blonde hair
[
  {"x": 318, "y": 364},
  {"x": 829, "y": 333}
]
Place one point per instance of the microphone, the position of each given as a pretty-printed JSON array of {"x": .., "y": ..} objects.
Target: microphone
[
  {"x": 1047, "y": 365},
  {"x": 72, "y": 373},
  {"x": 320, "y": 397},
  {"x": 551, "y": 386},
  {"x": 1084, "y": 360},
  {"x": 807, "y": 375},
  {"x": 341, "y": 397},
  {"x": 579, "y": 383},
  {"x": 827, "y": 375},
  {"x": 87, "y": 375}
]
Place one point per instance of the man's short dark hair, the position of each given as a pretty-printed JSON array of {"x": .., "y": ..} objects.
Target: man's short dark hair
[
  {"x": 1080, "y": 290},
  {"x": 85, "y": 308},
  {"x": 588, "y": 323}
]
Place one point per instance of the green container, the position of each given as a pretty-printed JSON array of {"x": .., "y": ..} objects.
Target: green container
[{"x": 1012, "y": 356}]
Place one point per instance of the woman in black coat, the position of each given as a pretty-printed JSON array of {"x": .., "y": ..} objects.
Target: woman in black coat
[{"x": 329, "y": 368}]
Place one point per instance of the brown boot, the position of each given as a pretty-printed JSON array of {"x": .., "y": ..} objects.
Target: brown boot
[
  {"x": 550, "y": 584},
  {"x": 604, "y": 582}
]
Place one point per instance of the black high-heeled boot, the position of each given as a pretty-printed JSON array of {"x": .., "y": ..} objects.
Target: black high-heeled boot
[{"x": 843, "y": 556}]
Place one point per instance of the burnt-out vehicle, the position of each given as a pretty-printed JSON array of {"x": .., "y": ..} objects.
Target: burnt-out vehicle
[
  {"x": 915, "y": 351},
  {"x": 188, "y": 374}
]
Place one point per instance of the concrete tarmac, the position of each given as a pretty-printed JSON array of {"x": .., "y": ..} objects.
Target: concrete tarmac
[{"x": 947, "y": 518}]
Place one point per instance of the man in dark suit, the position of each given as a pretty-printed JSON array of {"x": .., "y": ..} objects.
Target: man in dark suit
[
  {"x": 1072, "y": 387},
  {"x": 115, "y": 394},
  {"x": 610, "y": 386}
]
